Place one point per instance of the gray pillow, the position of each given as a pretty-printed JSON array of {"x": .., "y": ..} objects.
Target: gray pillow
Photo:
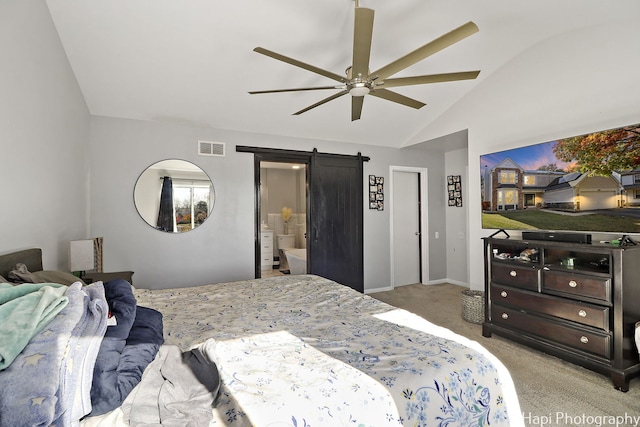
[
  {"x": 22, "y": 275},
  {"x": 52, "y": 276}
]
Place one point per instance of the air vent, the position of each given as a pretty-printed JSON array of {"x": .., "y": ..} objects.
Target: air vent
[{"x": 210, "y": 148}]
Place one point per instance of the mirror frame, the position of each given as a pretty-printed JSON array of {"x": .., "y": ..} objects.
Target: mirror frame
[{"x": 148, "y": 187}]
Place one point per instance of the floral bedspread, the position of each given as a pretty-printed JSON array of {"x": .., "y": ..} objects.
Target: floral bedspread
[{"x": 304, "y": 351}]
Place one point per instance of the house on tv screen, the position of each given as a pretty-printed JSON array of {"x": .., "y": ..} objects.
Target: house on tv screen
[{"x": 507, "y": 186}]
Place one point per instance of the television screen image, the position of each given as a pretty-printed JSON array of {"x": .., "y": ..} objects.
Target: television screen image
[{"x": 589, "y": 183}]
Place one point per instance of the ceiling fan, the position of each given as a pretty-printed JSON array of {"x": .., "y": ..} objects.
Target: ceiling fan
[{"x": 359, "y": 81}]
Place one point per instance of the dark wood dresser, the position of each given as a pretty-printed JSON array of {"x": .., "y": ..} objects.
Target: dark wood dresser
[{"x": 576, "y": 301}]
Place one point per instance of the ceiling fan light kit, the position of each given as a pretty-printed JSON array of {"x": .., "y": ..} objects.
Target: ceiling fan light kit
[
  {"x": 359, "y": 89},
  {"x": 358, "y": 81}
]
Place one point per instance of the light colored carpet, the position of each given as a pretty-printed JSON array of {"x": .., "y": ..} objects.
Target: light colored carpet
[{"x": 551, "y": 392}]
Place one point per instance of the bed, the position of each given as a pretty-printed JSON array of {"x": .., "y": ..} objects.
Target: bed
[{"x": 305, "y": 351}]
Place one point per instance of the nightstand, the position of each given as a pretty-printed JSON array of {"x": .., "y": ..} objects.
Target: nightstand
[{"x": 105, "y": 277}]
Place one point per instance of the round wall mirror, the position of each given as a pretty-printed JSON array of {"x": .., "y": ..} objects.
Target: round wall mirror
[{"x": 174, "y": 196}]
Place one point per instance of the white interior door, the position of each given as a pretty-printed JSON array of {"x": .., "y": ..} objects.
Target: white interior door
[{"x": 406, "y": 228}]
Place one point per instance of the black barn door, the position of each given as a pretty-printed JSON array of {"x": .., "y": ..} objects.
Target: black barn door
[{"x": 336, "y": 210}]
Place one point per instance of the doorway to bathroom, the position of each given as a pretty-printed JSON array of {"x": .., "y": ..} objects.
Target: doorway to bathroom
[
  {"x": 283, "y": 218},
  {"x": 335, "y": 211}
]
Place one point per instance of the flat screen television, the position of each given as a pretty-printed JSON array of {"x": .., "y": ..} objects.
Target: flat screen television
[{"x": 585, "y": 183}]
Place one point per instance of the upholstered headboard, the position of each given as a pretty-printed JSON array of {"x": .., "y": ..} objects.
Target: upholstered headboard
[{"x": 32, "y": 258}]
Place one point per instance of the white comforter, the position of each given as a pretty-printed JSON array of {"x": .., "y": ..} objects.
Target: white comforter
[{"x": 305, "y": 351}]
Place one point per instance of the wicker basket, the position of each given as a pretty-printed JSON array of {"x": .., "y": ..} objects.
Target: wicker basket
[{"x": 473, "y": 306}]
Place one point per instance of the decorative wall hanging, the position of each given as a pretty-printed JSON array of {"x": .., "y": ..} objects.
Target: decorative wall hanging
[
  {"x": 376, "y": 192},
  {"x": 454, "y": 188}
]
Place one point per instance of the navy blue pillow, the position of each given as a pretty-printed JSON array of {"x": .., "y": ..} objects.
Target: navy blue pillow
[
  {"x": 122, "y": 306},
  {"x": 147, "y": 327}
]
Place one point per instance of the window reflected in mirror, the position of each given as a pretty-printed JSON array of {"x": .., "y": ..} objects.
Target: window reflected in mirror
[{"x": 174, "y": 196}]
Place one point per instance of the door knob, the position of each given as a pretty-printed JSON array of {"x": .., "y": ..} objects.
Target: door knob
[{"x": 417, "y": 233}]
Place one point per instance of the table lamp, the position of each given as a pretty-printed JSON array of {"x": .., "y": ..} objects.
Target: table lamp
[{"x": 81, "y": 256}]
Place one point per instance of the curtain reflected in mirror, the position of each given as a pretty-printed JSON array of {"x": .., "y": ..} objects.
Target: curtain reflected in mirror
[{"x": 174, "y": 196}]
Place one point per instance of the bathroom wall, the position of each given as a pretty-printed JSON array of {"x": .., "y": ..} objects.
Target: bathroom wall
[{"x": 284, "y": 187}]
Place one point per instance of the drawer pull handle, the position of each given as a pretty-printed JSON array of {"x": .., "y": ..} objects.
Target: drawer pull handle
[
  {"x": 503, "y": 294},
  {"x": 584, "y": 339},
  {"x": 513, "y": 273},
  {"x": 582, "y": 313},
  {"x": 573, "y": 283},
  {"x": 505, "y": 316}
]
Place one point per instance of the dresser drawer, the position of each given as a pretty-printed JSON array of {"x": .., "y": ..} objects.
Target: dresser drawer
[
  {"x": 525, "y": 277},
  {"x": 580, "y": 339},
  {"x": 586, "y": 314},
  {"x": 577, "y": 285}
]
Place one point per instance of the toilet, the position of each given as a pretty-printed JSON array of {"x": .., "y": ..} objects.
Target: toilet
[{"x": 286, "y": 241}]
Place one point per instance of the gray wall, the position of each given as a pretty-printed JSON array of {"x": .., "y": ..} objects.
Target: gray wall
[
  {"x": 457, "y": 233},
  {"x": 222, "y": 249},
  {"x": 282, "y": 187},
  {"x": 44, "y": 134}
]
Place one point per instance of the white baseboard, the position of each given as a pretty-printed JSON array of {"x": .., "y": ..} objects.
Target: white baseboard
[
  {"x": 373, "y": 291},
  {"x": 453, "y": 282},
  {"x": 431, "y": 282}
]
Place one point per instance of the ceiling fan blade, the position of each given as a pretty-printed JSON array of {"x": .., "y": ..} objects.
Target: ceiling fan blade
[
  {"x": 324, "y": 101},
  {"x": 362, "y": 34},
  {"x": 254, "y": 92},
  {"x": 356, "y": 107},
  {"x": 300, "y": 64},
  {"x": 428, "y": 49},
  {"x": 432, "y": 78},
  {"x": 396, "y": 97}
]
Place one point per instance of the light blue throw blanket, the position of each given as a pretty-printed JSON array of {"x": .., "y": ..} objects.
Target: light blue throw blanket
[
  {"x": 48, "y": 383},
  {"x": 76, "y": 372},
  {"x": 24, "y": 310}
]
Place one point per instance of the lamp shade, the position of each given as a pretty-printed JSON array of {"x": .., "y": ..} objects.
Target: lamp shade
[{"x": 81, "y": 255}]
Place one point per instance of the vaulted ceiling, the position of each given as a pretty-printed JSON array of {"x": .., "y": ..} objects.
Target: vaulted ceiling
[{"x": 192, "y": 61}]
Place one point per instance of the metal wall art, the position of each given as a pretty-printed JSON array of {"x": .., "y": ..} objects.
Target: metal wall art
[{"x": 376, "y": 192}]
